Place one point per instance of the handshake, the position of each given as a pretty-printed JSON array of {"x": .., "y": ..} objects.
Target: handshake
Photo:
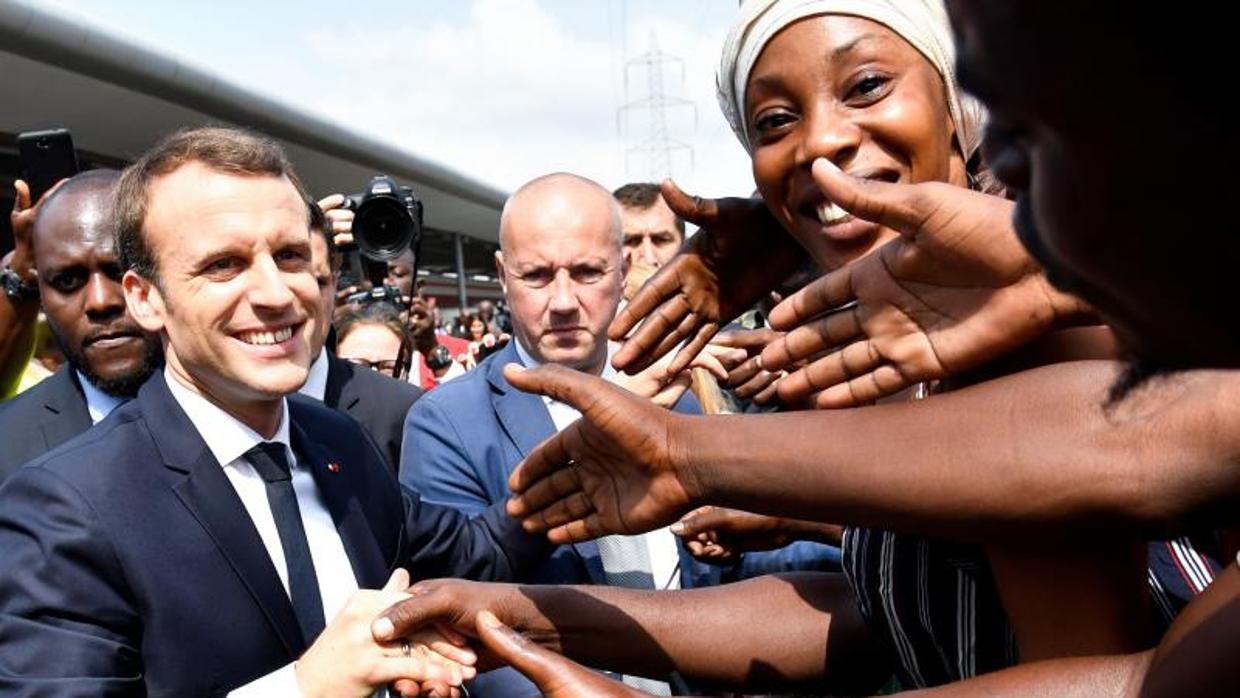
[{"x": 418, "y": 641}]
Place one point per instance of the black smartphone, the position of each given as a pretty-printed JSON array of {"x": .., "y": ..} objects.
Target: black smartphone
[{"x": 47, "y": 157}]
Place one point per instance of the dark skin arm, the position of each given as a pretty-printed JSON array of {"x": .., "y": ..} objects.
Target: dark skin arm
[
  {"x": 706, "y": 634},
  {"x": 17, "y": 318},
  {"x": 716, "y": 534},
  {"x": 1195, "y": 658},
  {"x": 1023, "y": 457}
]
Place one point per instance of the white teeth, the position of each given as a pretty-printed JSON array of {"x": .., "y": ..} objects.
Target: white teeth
[
  {"x": 829, "y": 213},
  {"x": 261, "y": 338}
]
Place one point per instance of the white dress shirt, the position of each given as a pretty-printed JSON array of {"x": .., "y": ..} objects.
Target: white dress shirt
[
  {"x": 98, "y": 403},
  {"x": 316, "y": 383},
  {"x": 228, "y": 439},
  {"x": 660, "y": 543}
]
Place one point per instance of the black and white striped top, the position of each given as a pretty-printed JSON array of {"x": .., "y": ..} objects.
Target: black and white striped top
[{"x": 936, "y": 606}]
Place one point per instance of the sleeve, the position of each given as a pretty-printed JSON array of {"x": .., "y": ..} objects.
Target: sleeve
[
  {"x": 434, "y": 461},
  {"x": 491, "y": 547},
  {"x": 68, "y": 623}
]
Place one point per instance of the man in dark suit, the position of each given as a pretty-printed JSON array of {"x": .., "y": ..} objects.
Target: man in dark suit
[
  {"x": 108, "y": 356},
  {"x": 378, "y": 402},
  {"x": 206, "y": 534}
]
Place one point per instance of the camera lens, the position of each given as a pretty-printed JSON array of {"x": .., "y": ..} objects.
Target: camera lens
[{"x": 383, "y": 228}]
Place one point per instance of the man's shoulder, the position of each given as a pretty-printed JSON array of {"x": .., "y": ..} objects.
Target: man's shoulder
[
  {"x": 308, "y": 413},
  {"x": 30, "y": 403},
  {"x": 103, "y": 451}
]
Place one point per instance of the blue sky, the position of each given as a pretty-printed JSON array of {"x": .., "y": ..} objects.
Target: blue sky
[{"x": 503, "y": 90}]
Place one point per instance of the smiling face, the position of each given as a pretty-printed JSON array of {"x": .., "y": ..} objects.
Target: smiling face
[
  {"x": 854, "y": 92},
  {"x": 80, "y": 290},
  {"x": 236, "y": 301}
]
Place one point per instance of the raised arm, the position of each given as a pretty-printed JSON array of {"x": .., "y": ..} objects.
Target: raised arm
[{"x": 1012, "y": 457}]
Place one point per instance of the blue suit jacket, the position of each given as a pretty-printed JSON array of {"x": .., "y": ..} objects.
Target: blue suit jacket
[
  {"x": 462, "y": 441},
  {"x": 129, "y": 566}
]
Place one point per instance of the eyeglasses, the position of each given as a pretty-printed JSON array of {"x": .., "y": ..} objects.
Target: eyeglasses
[{"x": 386, "y": 367}]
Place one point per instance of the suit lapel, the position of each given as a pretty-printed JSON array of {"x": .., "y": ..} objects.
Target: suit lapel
[
  {"x": 524, "y": 417},
  {"x": 336, "y": 394},
  {"x": 65, "y": 413},
  {"x": 209, "y": 496},
  {"x": 338, "y": 491}
]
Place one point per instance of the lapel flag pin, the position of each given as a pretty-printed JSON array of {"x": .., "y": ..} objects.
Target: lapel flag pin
[{"x": 334, "y": 467}]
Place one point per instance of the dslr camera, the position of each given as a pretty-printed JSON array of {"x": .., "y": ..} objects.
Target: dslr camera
[{"x": 387, "y": 222}]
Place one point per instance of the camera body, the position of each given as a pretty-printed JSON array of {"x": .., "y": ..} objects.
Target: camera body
[
  {"x": 387, "y": 222},
  {"x": 387, "y": 219},
  {"x": 379, "y": 294}
]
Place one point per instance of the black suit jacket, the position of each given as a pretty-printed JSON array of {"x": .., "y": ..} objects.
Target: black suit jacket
[
  {"x": 129, "y": 566},
  {"x": 41, "y": 419},
  {"x": 379, "y": 402}
]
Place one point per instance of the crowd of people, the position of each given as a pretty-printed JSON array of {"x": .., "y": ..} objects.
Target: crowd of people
[{"x": 993, "y": 456}]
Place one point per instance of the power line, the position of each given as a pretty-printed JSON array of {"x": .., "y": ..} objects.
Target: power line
[{"x": 658, "y": 147}]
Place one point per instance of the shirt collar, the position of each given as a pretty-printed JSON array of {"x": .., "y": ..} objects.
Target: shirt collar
[
  {"x": 316, "y": 383},
  {"x": 227, "y": 437},
  {"x": 98, "y": 403}
]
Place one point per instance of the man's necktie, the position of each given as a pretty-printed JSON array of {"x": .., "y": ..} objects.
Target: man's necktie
[
  {"x": 626, "y": 563},
  {"x": 271, "y": 463}
]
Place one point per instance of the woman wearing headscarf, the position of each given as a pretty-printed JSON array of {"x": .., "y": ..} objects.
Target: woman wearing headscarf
[{"x": 869, "y": 86}]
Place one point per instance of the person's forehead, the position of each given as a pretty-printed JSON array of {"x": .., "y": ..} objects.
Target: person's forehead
[
  {"x": 561, "y": 241},
  {"x": 75, "y": 225},
  {"x": 653, "y": 219},
  {"x": 202, "y": 208},
  {"x": 821, "y": 42},
  {"x": 372, "y": 341}
]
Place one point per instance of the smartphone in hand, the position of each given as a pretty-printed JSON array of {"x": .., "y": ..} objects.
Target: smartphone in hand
[{"x": 47, "y": 157}]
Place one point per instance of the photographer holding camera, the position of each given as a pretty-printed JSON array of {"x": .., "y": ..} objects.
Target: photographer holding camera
[{"x": 379, "y": 402}]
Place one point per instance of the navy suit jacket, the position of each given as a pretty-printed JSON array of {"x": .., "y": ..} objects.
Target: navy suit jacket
[
  {"x": 378, "y": 402},
  {"x": 42, "y": 418},
  {"x": 129, "y": 566}
]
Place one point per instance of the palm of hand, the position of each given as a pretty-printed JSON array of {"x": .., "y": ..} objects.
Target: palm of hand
[
  {"x": 628, "y": 478},
  {"x": 942, "y": 295}
]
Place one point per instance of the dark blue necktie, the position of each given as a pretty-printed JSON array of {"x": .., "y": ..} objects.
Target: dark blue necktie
[{"x": 271, "y": 463}]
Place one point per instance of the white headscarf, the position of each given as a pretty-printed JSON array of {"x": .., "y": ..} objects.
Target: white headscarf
[{"x": 922, "y": 23}]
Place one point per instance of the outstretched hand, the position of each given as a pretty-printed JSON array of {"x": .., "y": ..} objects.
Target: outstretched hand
[
  {"x": 556, "y": 676},
  {"x": 739, "y": 254},
  {"x": 617, "y": 470},
  {"x": 954, "y": 291}
]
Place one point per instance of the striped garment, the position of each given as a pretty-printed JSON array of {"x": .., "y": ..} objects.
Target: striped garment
[{"x": 936, "y": 606}]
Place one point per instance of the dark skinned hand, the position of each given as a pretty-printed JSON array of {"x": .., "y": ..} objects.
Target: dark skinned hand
[
  {"x": 615, "y": 470},
  {"x": 953, "y": 292},
  {"x": 739, "y": 254}
]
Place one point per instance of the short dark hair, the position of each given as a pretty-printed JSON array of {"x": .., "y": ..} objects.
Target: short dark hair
[
  {"x": 641, "y": 196},
  {"x": 319, "y": 225},
  {"x": 228, "y": 150}
]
